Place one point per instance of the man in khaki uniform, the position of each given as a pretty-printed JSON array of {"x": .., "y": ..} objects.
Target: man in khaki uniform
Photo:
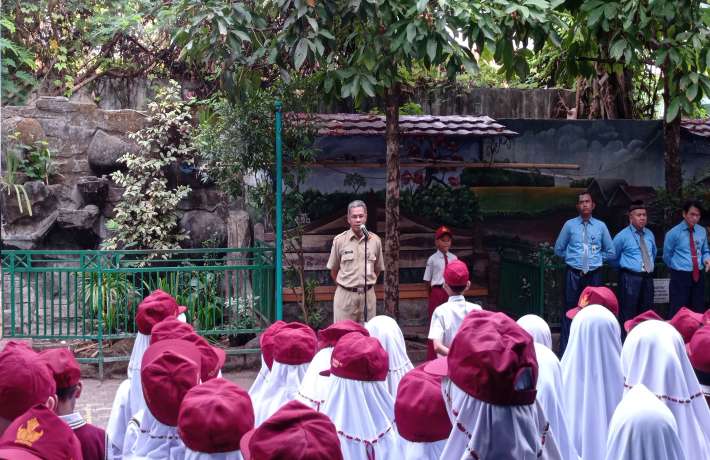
[{"x": 347, "y": 267}]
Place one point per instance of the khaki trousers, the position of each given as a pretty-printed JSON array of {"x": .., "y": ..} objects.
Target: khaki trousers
[{"x": 351, "y": 305}]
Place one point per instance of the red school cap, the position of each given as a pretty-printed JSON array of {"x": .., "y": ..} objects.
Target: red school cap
[
  {"x": 214, "y": 416},
  {"x": 596, "y": 295},
  {"x": 63, "y": 366},
  {"x": 39, "y": 434},
  {"x": 492, "y": 359},
  {"x": 329, "y": 336},
  {"x": 357, "y": 357}
]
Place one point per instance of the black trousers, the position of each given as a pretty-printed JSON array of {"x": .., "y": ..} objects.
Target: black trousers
[
  {"x": 575, "y": 282},
  {"x": 635, "y": 296},
  {"x": 684, "y": 292}
]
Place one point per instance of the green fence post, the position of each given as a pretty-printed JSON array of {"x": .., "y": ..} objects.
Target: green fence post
[
  {"x": 541, "y": 301},
  {"x": 278, "y": 250},
  {"x": 100, "y": 335}
]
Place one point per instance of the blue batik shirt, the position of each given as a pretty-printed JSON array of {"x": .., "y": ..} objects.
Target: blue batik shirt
[
  {"x": 570, "y": 245},
  {"x": 676, "y": 247}
]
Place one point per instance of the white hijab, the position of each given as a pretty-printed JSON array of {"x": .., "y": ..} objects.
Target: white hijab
[
  {"x": 155, "y": 440},
  {"x": 280, "y": 387},
  {"x": 549, "y": 384},
  {"x": 194, "y": 455},
  {"x": 258, "y": 386},
  {"x": 363, "y": 415},
  {"x": 654, "y": 355},
  {"x": 643, "y": 428},
  {"x": 386, "y": 330},
  {"x": 486, "y": 431},
  {"x": 119, "y": 417},
  {"x": 591, "y": 378},
  {"x": 422, "y": 450},
  {"x": 537, "y": 328},
  {"x": 314, "y": 387}
]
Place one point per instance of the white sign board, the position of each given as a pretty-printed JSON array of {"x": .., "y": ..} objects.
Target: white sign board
[{"x": 660, "y": 290}]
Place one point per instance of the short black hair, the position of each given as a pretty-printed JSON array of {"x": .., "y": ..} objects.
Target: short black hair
[
  {"x": 586, "y": 192},
  {"x": 66, "y": 393},
  {"x": 637, "y": 204},
  {"x": 458, "y": 290},
  {"x": 692, "y": 204}
]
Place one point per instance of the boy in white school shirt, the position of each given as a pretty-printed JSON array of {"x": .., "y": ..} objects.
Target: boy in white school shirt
[
  {"x": 434, "y": 275},
  {"x": 447, "y": 317}
]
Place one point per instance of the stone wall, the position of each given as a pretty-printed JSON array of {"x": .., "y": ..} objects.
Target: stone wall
[{"x": 71, "y": 212}]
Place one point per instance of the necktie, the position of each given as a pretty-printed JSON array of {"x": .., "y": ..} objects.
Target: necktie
[
  {"x": 694, "y": 257},
  {"x": 585, "y": 248},
  {"x": 645, "y": 258},
  {"x": 446, "y": 260}
]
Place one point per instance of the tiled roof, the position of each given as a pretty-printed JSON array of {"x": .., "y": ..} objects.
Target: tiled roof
[
  {"x": 349, "y": 124},
  {"x": 697, "y": 127}
]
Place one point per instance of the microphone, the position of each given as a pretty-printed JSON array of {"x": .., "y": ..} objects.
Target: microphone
[{"x": 364, "y": 231}]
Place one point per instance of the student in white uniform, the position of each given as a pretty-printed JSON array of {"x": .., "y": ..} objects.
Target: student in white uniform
[{"x": 448, "y": 316}]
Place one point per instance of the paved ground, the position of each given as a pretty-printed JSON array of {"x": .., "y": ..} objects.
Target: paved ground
[{"x": 97, "y": 396}]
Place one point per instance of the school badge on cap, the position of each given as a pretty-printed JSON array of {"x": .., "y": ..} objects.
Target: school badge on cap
[{"x": 29, "y": 433}]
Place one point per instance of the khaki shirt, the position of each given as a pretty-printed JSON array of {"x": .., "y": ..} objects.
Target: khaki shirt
[{"x": 348, "y": 257}]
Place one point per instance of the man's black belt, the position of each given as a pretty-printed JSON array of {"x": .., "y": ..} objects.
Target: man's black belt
[
  {"x": 641, "y": 274},
  {"x": 437, "y": 285},
  {"x": 580, "y": 272},
  {"x": 358, "y": 289}
]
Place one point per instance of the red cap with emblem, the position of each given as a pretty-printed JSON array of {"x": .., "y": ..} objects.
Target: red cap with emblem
[
  {"x": 357, "y": 357},
  {"x": 294, "y": 432},
  {"x": 295, "y": 344},
  {"x": 168, "y": 370},
  {"x": 419, "y": 409},
  {"x": 155, "y": 308},
  {"x": 39, "y": 434},
  {"x": 687, "y": 321},
  {"x": 636, "y": 320},
  {"x": 329, "y": 336},
  {"x": 492, "y": 359},
  {"x": 456, "y": 274},
  {"x": 63, "y": 365},
  {"x": 25, "y": 380},
  {"x": 596, "y": 295},
  {"x": 441, "y": 231},
  {"x": 214, "y": 416}
]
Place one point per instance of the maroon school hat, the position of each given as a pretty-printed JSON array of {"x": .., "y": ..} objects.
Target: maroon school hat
[
  {"x": 419, "y": 409},
  {"x": 596, "y": 295},
  {"x": 294, "y": 432},
  {"x": 168, "y": 370},
  {"x": 329, "y": 336},
  {"x": 214, "y": 416},
  {"x": 357, "y": 357},
  {"x": 63, "y": 366},
  {"x": 25, "y": 380},
  {"x": 456, "y": 273},
  {"x": 699, "y": 350},
  {"x": 441, "y": 231},
  {"x": 295, "y": 343},
  {"x": 489, "y": 357},
  {"x": 155, "y": 308},
  {"x": 212, "y": 357},
  {"x": 266, "y": 342},
  {"x": 687, "y": 321},
  {"x": 645, "y": 316},
  {"x": 39, "y": 434}
]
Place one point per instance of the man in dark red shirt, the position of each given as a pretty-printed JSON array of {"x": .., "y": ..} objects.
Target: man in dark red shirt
[{"x": 67, "y": 376}]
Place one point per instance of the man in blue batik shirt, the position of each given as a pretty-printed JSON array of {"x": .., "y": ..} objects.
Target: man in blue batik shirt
[
  {"x": 686, "y": 253},
  {"x": 584, "y": 243},
  {"x": 635, "y": 248}
]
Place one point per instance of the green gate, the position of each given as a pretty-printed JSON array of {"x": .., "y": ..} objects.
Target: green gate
[{"x": 93, "y": 295}]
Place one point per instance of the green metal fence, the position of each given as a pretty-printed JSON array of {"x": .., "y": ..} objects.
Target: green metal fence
[
  {"x": 93, "y": 295},
  {"x": 532, "y": 281}
]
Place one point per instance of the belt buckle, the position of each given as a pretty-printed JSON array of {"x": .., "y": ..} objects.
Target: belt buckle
[{"x": 360, "y": 290}]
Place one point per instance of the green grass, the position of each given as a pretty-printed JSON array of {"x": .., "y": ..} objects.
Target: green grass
[{"x": 524, "y": 200}]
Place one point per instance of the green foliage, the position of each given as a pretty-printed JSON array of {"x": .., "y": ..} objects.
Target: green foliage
[
  {"x": 669, "y": 205},
  {"x": 115, "y": 297},
  {"x": 146, "y": 214},
  {"x": 442, "y": 205},
  {"x": 17, "y": 66}
]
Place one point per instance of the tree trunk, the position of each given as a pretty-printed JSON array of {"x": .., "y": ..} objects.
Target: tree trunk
[
  {"x": 671, "y": 141},
  {"x": 392, "y": 102}
]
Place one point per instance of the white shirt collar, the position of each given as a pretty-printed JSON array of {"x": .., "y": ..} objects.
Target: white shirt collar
[
  {"x": 74, "y": 420},
  {"x": 457, "y": 298}
]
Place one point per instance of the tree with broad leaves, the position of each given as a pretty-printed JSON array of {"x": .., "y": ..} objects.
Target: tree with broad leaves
[
  {"x": 364, "y": 47},
  {"x": 670, "y": 35}
]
